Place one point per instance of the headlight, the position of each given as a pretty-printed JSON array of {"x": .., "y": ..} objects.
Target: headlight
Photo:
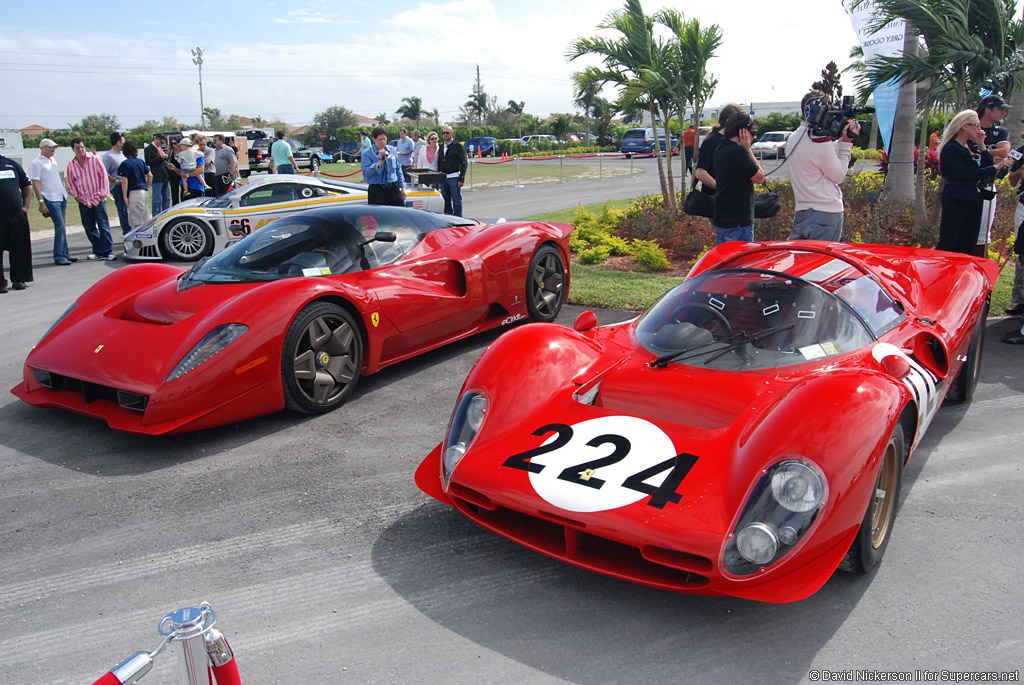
[
  {"x": 212, "y": 343},
  {"x": 796, "y": 486},
  {"x": 782, "y": 507},
  {"x": 466, "y": 422}
]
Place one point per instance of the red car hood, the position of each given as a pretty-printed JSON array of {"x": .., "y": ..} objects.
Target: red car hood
[{"x": 136, "y": 340}]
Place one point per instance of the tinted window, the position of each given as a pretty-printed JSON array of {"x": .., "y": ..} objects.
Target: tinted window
[{"x": 269, "y": 194}]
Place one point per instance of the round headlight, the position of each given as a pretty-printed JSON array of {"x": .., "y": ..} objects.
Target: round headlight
[
  {"x": 475, "y": 412},
  {"x": 757, "y": 543},
  {"x": 797, "y": 487}
]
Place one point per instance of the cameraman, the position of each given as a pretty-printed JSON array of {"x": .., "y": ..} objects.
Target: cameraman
[{"x": 816, "y": 168}]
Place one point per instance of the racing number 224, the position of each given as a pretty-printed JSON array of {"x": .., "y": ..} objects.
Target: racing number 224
[{"x": 582, "y": 474}]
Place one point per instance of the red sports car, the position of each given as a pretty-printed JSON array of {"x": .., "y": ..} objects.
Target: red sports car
[
  {"x": 746, "y": 436},
  {"x": 290, "y": 316}
]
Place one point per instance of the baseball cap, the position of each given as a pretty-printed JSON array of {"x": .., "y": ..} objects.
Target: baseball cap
[
  {"x": 992, "y": 101},
  {"x": 46, "y": 142},
  {"x": 185, "y": 141}
]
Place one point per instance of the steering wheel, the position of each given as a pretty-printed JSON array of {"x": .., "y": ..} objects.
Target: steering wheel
[{"x": 717, "y": 318}]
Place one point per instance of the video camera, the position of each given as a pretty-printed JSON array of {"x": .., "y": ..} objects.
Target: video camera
[{"x": 830, "y": 121}]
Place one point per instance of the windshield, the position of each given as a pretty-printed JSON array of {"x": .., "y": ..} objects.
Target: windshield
[
  {"x": 322, "y": 243},
  {"x": 739, "y": 319},
  {"x": 225, "y": 200},
  {"x": 773, "y": 137}
]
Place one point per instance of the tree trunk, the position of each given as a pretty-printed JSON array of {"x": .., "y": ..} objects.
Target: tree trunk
[
  {"x": 668, "y": 157},
  {"x": 1015, "y": 122},
  {"x": 666, "y": 197},
  {"x": 899, "y": 182},
  {"x": 873, "y": 138},
  {"x": 921, "y": 212}
]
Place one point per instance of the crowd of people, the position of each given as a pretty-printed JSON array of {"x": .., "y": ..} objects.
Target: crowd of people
[
  {"x": 141, "y": 188},
  {"x": 973, "y": 151},
  {"x": 385, "y": 167}
]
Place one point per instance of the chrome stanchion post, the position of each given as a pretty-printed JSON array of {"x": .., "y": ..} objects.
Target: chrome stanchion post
[
  {"x": 186, "y": 629},
  {"x": 470, "y": 189},
  {"x": 518, "y": 184},
  {"x": 561, "y": 160}
]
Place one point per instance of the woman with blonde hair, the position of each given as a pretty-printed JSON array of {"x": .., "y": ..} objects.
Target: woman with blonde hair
[
  {"x": 427, "y": 157},
  {"x": 965, "y": 166}
]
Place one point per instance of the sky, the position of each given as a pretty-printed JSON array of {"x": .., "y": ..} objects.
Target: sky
[{"x": 290, "y": 60}]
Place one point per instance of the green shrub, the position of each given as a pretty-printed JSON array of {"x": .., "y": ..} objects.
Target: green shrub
[
  {"x": 650, "y": 256},
  {"x": 594, "y": 255}
]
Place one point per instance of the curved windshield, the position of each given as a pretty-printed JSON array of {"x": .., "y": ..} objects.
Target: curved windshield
[
  {"x": 322, "y": 243},
  {"x": 225, "y": 200},
  {"x": 740, "y": 319}
]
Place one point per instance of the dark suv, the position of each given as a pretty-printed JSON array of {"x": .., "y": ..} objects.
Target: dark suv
[
  {"x": 259, "y": 155},
  {"x": 641, "y": 141}
]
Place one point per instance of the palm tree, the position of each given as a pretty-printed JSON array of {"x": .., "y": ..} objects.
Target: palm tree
[
  {"x": 631, "y": 61},
  {"x": 477, "y": 104},
  {"x": 411, "y": 109},
  {"x": 585, "y": 101},
  {"x": 689, "y": 80}
]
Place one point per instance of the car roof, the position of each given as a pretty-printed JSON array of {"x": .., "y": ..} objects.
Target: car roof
[{"x": 254, "y": 183}]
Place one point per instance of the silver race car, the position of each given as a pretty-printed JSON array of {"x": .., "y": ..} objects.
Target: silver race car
[{"x": 194, "y": 229}]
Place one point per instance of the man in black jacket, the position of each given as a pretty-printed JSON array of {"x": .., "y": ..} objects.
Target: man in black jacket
[{"x": 452, "y": 163}]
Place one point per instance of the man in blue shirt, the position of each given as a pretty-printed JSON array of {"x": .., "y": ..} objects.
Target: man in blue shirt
[
  {"x": 382, "y": 172},
  {"x": 282, "y": 156},
  {"x": 405, "y": 147}
]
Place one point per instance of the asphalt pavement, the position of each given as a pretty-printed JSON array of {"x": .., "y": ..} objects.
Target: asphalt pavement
[{"x": 326, "y": 564}]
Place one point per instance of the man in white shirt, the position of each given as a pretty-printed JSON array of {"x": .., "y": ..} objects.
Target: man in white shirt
[
  {"x": 112, "y": 159},
  {"x": 817, "y": 166},
  {"x": 53, "y": 198}
]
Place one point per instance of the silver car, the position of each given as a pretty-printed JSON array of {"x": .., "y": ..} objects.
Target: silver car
[{"x": 194, "y": 229}]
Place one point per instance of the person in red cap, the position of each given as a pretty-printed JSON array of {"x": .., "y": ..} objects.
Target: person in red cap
[{"x": 991, "y": 112}]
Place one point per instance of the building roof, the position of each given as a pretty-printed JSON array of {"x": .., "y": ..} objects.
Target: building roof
[{"x": 34, "y": 130}]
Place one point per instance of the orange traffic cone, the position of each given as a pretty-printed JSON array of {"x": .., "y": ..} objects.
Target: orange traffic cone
[{"x": 478, "y": 155}]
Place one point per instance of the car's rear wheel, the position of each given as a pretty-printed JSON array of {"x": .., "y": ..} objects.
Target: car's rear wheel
[
  {"x": 322, "y": 358},
  {"x": 966, "y": 381},
  {"x": 314, "y": 165},
  {"x": 875, "y": 530},
  {"x": 186, "y": 239},
  {"x": 545, "y": 284}
]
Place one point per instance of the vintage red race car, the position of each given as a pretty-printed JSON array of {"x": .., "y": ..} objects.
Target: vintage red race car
[
  {"x": 291, "y": 316},
  {"x": 746, "y": 436}
]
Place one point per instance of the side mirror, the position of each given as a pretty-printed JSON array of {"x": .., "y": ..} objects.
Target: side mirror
[
  {"x": 384, "y": 237},
  {"x": 896, "y": 366},
  {"x": 585, "y": 321}
]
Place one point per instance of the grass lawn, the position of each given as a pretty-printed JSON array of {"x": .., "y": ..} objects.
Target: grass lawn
[
  {"x": 37, "y": 222},
  {"x": 488, "y": 174}
]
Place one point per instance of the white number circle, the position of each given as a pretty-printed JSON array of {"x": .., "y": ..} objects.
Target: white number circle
[{"x": 647, "y": 446}]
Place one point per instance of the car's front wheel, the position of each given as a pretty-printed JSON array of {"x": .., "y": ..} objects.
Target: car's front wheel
[
  {"x": 314, "y": 165},
  {"x": 321, "y": 359},
  {"x": 545, "y": 284},
  {"x": 186, "y": 239},
  {"x": 875, "y": 530}
]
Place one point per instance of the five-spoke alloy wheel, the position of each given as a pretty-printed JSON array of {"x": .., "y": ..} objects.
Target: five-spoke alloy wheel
[{"x": 322, "y": 358}]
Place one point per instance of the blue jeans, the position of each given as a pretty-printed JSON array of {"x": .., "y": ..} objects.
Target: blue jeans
[
  {"x": 60, "y": 235},
  {"x": 285, "y": 169},
  {"x": 161, "y": 196},
  {"x": 122, "y": 209},
  {"x": 452, "y": 194},
  {"x": 97, "y": 228},
  {"x": 741, "y": 233}
]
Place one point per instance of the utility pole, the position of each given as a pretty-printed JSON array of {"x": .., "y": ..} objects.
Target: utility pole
[
  {"x": 197, "y": 59},
  {"x": 477, "y": 89}
]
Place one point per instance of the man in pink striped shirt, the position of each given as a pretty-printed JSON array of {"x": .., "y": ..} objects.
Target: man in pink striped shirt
[{"x": 87, "y": 181}]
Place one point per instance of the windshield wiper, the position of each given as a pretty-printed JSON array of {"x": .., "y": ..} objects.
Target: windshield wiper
[
  {"x": 187, "y": 278},
  {"x": 731, "y": 343},
  {"x": 748, "y": 338}
]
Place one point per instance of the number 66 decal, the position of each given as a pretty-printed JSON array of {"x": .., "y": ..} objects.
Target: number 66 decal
[{"x": 604, "y": 463}]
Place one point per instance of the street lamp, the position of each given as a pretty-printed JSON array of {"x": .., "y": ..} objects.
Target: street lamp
[{"x": 197, "y": 59}]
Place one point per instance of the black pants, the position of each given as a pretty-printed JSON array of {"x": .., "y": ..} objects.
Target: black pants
[
  {"x": 386, "y": 194},
  {"x": 958, "y": 230},
  {"x": 17, "y": 242}
]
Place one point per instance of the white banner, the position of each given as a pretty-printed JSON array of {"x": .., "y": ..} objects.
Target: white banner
[{"x": 885, "y": 42}]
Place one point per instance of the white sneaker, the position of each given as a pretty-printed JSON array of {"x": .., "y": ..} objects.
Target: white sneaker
[
  {"x": 111, "y": 257},
  {"x": 94, "y": 257}
]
